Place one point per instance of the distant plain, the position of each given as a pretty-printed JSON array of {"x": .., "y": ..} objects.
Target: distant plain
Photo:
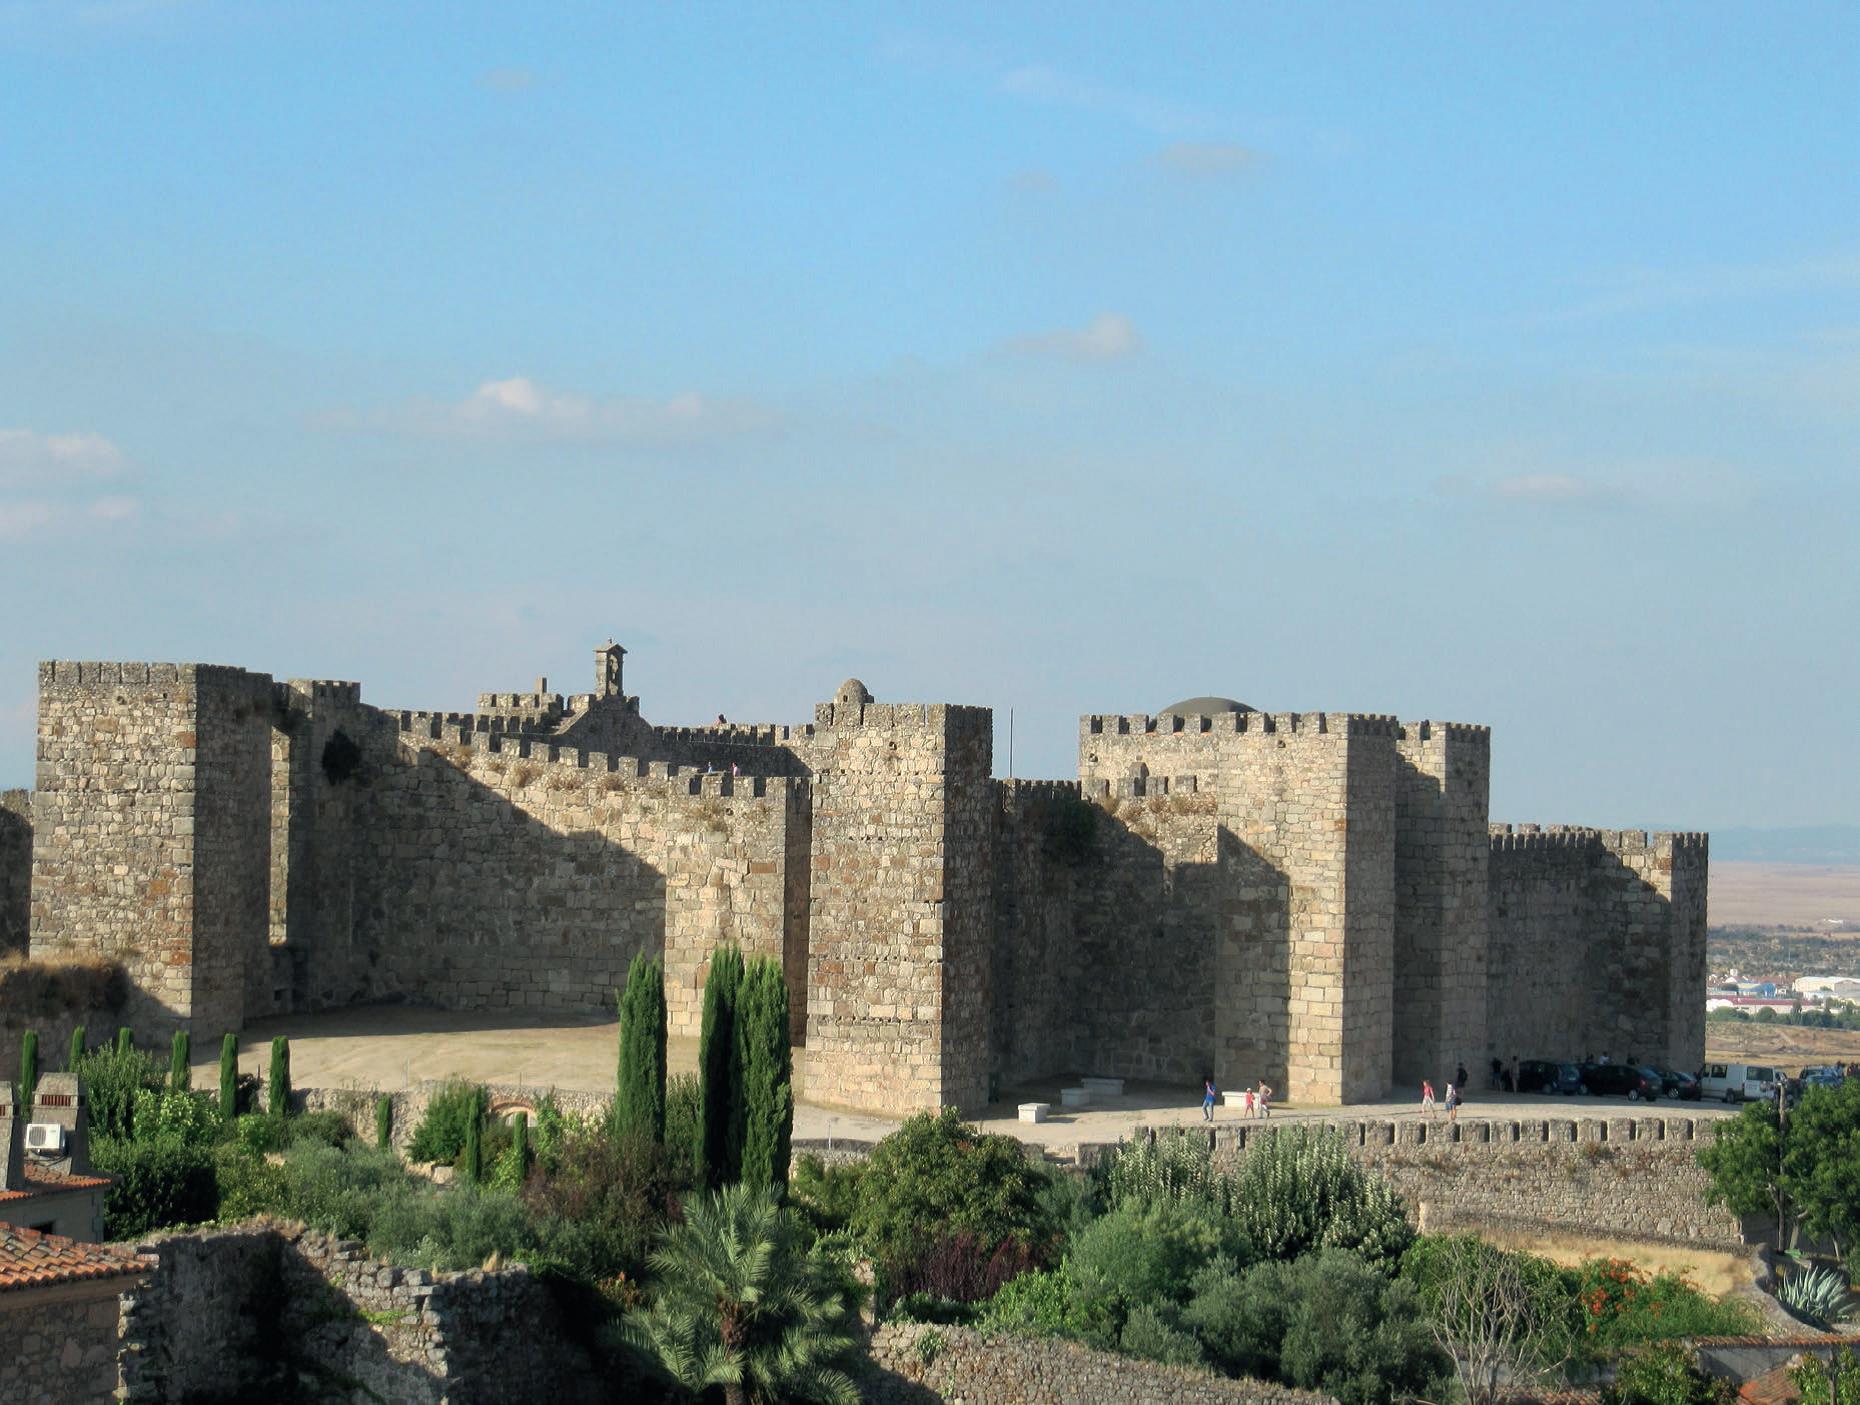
[{"x": 1745, "y": 894}]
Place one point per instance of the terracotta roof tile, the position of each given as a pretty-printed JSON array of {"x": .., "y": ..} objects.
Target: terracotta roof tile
[
  {"x": 1800, "y": 1340},
  {"x": 49, "y": 1179},
  {"x": 30, "y": 1259},
  {"x": 1773, "y": 1387}
]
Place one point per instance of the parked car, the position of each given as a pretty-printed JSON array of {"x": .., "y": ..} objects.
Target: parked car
[
  {"x": 1623, "y": 1080},
  {"x": 1827, "y": 1076},
  {"x": 1736, "y": 1083},
  {"x": 1680, "y": 1085},
  {"x": 1544, "y": 1076}
]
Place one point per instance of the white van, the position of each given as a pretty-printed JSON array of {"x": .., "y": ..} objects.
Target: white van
[{"x": 1735, "y": 1083}]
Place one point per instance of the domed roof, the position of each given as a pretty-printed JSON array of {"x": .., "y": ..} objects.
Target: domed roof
[
  {"x": 1206, "y": 707},
  {"x": 854, "y": 692}
]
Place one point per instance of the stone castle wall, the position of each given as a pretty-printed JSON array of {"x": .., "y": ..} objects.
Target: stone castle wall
[
  {"x": 1597, "y": 944},
  {"x": 1308, "y": 899},
  {"x": 151, "y": 848},
  {"x": 900, "y": 906},
  {"x": 15, "y": 871}
]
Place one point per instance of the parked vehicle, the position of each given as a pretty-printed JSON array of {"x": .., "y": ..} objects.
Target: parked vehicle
[
  {"x": 1544, "y": 1076},
  {"x": 1827, "y": 1076},
  {"x": 1736, "y": 1083},
  {"x": 1680, "y": 1085},
  {"x": 1623, "y": 1080}
]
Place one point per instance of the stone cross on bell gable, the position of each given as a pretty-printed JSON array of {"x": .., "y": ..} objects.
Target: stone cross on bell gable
[{"x": 607, "y": 670}]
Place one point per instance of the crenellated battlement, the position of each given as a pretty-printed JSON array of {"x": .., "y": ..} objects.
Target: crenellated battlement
[
  {"x": 736, "y": 734},
  {"x": 1468, "y": 733},
  {"x": 1021, "y": 797},
  {"x": 323, "y": 690},
  {"x": 906, "y": 716},
  {"x": 1536, "y": 838},
  {"x": 1254, "y": 724},
  {"x": 70, "y": 673}
]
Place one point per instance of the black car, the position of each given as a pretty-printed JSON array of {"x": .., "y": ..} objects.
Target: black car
[
  {"x": 1679, "y": 1085},
  {"x": 1622, "y": 1080},
  {"x": 1543, "y": 1076}
]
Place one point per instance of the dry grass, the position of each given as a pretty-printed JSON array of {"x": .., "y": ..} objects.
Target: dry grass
[
  {"x": 47, "y": 989},
  {"x": 522, "y": 773},
  {"x": 1786, "y": 895},
  {"x": 1715, "y": 1271},
  {"x": 1779, "y": 1045}
]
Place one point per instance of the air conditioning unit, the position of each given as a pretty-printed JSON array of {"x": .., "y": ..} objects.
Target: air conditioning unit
[{"x": 47, "y": 1138}]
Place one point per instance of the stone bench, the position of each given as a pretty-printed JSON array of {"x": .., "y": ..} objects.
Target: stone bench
[
  {"x": 1034, "y": 1112},
  {"x": 1074, "y": 1097},
  {"x": 1103, "y": 1087}
]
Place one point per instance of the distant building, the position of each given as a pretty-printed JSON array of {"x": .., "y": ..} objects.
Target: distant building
[
  {"x": 58, "y": 1315},
  {"x": 46, "y": 1182},
  {"x": 1829, "y": 987}
]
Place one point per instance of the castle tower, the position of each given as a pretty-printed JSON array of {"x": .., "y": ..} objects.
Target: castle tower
[{"x": 607, "y": 671}]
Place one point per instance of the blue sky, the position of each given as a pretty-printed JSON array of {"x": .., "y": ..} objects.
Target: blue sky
[{"x": 1497, "y": 364}]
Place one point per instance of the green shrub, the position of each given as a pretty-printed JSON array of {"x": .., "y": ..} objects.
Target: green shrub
[
  {"x": 1835, "y": 1381},
  {"x": 471, "y": 1162},
  {"x": 125, "y": 1039},
  {"x": 1172, "y": 1166},
  {"x": 1666, "y": 1375},
  {"x": 1620, "y": 1305},
  {"x": 184, "y": 1117},
  {"x": 28, "y": 1066},
  {"x": 826, "y": 1195},
  {"x": 440, "y": 1137},
  {"x": 319, "y": 1128},
  {"x": 248, "y": 1185},
  {"x": 599, "y": 1208},
  {"x": 112, "y": 1078},
  {"x": 79, "y": 1045},
  {"x": 259, "y": 1133},
  {"x": 156, "y": 1184},
  {"x": 937, "y": 1175},
  {"x": 180, "y": 1074},
  {"x": 460, "y": 1227},
  {"x": 1147, "y": 1254},
  {"x": 342, "y": 1192},
  {"x": 511, "y": 1167},
  {"x": 1149, "y": 1336},
  {"x": 384, "y": 1123},
  {"x": 1329, "y": 1321},
  {"x": 1044, "y": 1303},
  {"x": 1297, "y": 1189},
  {"x": 278, "y": 1084}
]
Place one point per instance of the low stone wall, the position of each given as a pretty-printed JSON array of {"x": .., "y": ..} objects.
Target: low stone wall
[
  {"x": 917, "y": 1365},
  {"x": 409, "y": 1104},
  {"x": 1633, "y": 1176},
  {"x": 271, "y": 1309},
  {"x": 58, "y": 1345}
]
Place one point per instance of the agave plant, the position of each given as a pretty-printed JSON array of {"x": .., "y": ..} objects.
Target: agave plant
[{"x": 1818, "y": 1295}]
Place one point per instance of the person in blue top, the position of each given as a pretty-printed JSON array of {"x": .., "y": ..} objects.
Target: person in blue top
[{"x": 1207, "y": 1099}]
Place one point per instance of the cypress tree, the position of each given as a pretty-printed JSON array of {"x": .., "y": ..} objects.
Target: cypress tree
[
  {"x": 229, "y": 1077},
  {"x": 720, "y": 1141},
  {"x": 278, "y": 1088},
  {"x": 384, "y": 1122},
  {"x": 79, "y": 1040},
  {"x": 639, "y": 1088},
  {"x": 766, "y": 1072},
  {"x": 180, "y": 1076},
  {"x": 520, "y": 1146},
  {"x": 28, "y": 1066},
  {"x": 474, "y": 1144},
  {"x": 125, "y": 1039}
]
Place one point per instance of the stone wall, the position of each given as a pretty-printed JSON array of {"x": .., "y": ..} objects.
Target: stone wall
[
  {"x": 1597, "y": 944},
  {"x": 239, "y": 1313},
  {"x": 15, "y": 871},
  {"x": 915, "y": 1365},
  {"x": 1442, "y": 854},
  {"x": 900, "y": 915},
  {"x": 151, "y": 840},
  {"x": 58, "y": 1345},
  {"x": 1045, "y": 850},
  {"x": 1636, "y": 1177}
]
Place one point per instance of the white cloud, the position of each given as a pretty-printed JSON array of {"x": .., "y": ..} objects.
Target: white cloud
[
  {"x": 114, "y": 509},
  {"x": 1209, "y": 160},
  {"x": 1542, "y": 488},
  {"x": 521, "y": 408},
  {"x": 508, "y": 80},
  {"x": 1108, "y": 337},
  {"x": 19, "y": 520},
  {"x": 29, "y": 456},
  {"x": 1045, "y": 83}
]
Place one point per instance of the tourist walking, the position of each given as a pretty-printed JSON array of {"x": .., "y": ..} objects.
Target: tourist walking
[
  {"x": 1427, "y": 1096},
  {"x": 1246, "y": 1103},
  {"x": 1453, "y": 1102},
  {"x": 1207, "y": 1100},
  {"x": 1264, "y": 1100}
]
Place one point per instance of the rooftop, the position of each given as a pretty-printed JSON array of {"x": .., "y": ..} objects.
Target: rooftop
[{"x": 30, "y": 1259}]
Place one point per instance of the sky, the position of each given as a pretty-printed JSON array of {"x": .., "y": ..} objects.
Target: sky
[{"x": 1483, "y": 363}]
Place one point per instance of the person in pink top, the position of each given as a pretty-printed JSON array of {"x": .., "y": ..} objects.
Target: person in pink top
[{"x": 1427, "y": 1096}]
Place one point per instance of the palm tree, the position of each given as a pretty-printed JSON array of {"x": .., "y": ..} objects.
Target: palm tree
[{"x": 738, "y": 1303}]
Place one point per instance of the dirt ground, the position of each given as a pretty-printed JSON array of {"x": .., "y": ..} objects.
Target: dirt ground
[
  {"x": 394, "y": 1047},
  {"x": 1781, "y": 1046},
  {"x": 1785, "y": 895}
]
